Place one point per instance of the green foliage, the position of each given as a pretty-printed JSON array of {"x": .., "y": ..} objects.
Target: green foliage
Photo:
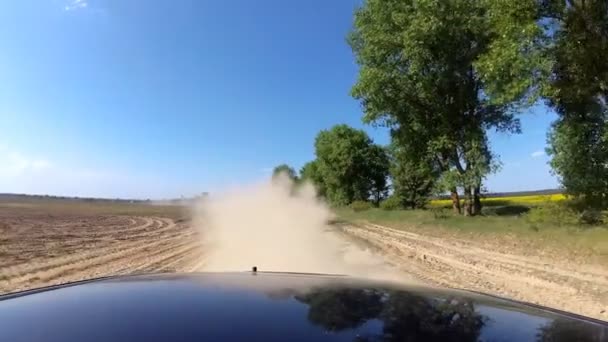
[
  {"x": 392, "y": 203},
  {"x": 286, "y": 170},
  {"x": 579, "y": 93},
  {"x": 516, "y": 65},
  {"x": 551, "y": 213},
  {"x": 426, "y": 71},
  {"x": 378, "y": 170},
  {"x": 412, "y": 174},
  {"x": 568, "y": 214},
  {"x": 350, "y": 165},
  {"x": 579, "y": 152},
  {"x": 310, "y": 172},
  {"x": 360, "y": 205}
]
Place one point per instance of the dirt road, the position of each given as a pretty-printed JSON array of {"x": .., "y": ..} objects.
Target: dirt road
[
  {"x": 464, "y": 264},
  {"x": 40, "y": 247},
  {"x": 44, "y": 249}
]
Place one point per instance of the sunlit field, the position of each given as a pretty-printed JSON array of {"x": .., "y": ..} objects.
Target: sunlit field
[{"x": 510, "y": 200}]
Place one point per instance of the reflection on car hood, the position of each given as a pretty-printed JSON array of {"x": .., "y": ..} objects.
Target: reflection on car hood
[{"x": 275, "y": 307}]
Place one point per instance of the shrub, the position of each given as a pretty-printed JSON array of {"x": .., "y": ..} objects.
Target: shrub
[
  {"x": 552, "y": 213},
  {"x": 392, "y": 203},
  {"x": 439, "y": 212},
  {"x": 360, "y": 205},
  {"x": 591, "y": 216}
]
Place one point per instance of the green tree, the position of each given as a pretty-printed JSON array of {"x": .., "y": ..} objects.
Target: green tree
[
  {"x": 378, "y": 167},
  {"x": 426, "y": 72},
  {"x": 310, "y": 172},
  {"x": 579, "y": 93},
  {"x": 350, "y": 165},
  {"x": 412, "y": 174},
  {"x": 286, "y": 170}
]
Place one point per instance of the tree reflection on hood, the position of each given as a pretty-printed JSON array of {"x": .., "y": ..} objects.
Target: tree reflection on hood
[{"x": 404, "y": 316}]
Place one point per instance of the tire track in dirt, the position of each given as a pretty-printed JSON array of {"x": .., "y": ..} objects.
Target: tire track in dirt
[
  {"x": 463, "y": 264},
  {"x": 151, "y": 261},
  {"x": 72, "y": 240},
  {"x": 135, "y": 241},
  {"x": 49, "y": 273},
  {"x": 197, "y": 265},
  {"x": 144, "y": 244},
  {"x": 177, "y": 261},
  {"x": 579, "y": 272},
  {"x": 144, "y": 262}
]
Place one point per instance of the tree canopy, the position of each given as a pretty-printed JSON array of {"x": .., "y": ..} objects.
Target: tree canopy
[
  {"x": 440, "y": 75},
  {"x": 351, "y": 165},
  {"x": 427, "y": 72},
  {"x": 579, "y": 93}
]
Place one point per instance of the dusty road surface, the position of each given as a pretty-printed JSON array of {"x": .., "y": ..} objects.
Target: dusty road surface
[
  {"x": 44, "y": 246},
  {"x": 493, "y": 269}
]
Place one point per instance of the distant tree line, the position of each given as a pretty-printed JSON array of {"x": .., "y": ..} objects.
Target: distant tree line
[{"x": 439, "y": 75}]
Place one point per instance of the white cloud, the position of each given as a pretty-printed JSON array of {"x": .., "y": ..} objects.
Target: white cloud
[
  {"x": 15, "y": 163},
  {"x": 76, "y": 5},
  {"x": 266, "y": 170},
  {"x": 28, "y": 173},
  {"x": 537, "y": 154}
]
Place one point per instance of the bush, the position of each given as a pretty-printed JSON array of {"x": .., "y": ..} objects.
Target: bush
[
  {"x": 591, "y": 216},
  {"x": 551, "y": 213},
  {"x": 439, "y": 212},
  {"x": 360, "y": 205},
  {"x": 391, "y": 203}
]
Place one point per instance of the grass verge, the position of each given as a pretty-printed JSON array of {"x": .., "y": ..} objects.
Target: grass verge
[{"x": 589, "y": 243}]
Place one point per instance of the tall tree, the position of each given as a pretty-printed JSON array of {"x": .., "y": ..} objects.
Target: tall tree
[
  {"x": 351, "y": 166},
  {"x": 424, "y": 72},
  {"x": 579, "y": 92}
]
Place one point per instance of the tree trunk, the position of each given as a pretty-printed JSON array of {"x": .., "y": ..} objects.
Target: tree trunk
[
  {"x": 477, "y": 201},
  {"x": 455, "y": 200},
  {"x": 468, "y": 202}
]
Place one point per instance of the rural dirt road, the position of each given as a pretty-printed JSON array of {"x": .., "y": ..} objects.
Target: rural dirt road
[
  {"x": 456, "y": 263},
  {"x": 43, "y": 249}
]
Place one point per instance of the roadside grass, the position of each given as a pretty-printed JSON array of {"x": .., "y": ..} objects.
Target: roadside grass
[
  {"x": 83, "y": 207},
  {"x": 515, "y": 229}
]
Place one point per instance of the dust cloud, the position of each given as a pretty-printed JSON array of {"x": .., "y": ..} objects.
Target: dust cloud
[{"x": 277, "y": 226}]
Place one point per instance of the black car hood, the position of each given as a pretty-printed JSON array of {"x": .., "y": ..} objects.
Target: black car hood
[{"x": 276, "y": 307}]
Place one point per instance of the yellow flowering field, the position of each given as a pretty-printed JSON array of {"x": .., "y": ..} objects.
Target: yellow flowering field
[{"x": 529, "y": 199}]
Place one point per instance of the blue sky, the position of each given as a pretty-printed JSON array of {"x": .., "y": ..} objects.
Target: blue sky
[{"x": 156, "y": 99}]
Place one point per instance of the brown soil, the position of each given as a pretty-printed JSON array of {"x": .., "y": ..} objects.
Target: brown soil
[
  {"x": 40, "y": 248},
  {"x": 489, "y": 268}
]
